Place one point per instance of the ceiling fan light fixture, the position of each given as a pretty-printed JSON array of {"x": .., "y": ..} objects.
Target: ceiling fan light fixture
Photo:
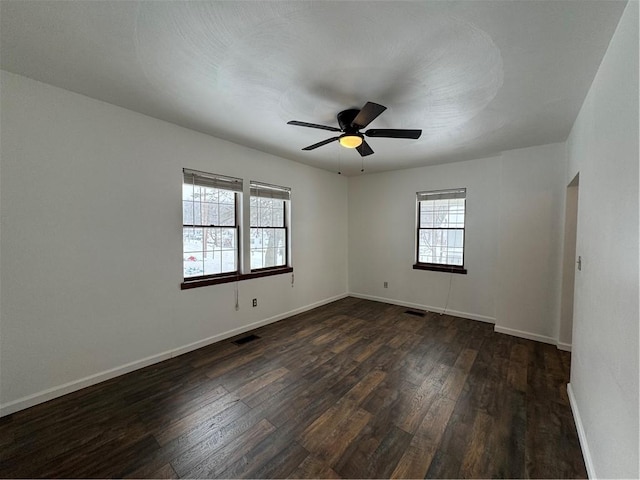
[
  {"x": 351, "y": 121},
  {"x": 350, "y": 141}
]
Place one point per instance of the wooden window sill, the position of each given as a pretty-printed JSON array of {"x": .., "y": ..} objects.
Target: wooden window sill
[
  {"x": 440, "y": 268},
  {"x": 234, "y": 277}
]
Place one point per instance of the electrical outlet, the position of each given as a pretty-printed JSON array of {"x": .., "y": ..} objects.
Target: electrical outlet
[
  {"x": 255, "y": 302},
  {"x": 386, "y": 284}
]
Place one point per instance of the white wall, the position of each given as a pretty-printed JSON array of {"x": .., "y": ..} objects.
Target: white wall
[
  {"x": 512, "y": 247},
  {"x": 382, "y": 237},
  {"x": 603, "y": 149},
  {"x": 531, "y": 212},
  {"x": 91, "y": 242}
]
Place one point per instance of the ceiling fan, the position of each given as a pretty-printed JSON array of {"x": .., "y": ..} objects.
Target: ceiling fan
[{"x": 351, "y": 121}]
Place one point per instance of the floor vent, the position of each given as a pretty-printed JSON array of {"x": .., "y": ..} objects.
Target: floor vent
[
  {"x": 414, "y": 313},
  {"x": 247, "y": 339}
]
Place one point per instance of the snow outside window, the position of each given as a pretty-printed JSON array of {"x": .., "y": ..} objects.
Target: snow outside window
[
  {"x": 209, "y": 224},
  {"x": 268, "y": 223}
]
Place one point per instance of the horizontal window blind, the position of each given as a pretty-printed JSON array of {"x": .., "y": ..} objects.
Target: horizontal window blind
[
  {"x": 266, "y": 190},
  {"x": 204, "y": 179},
  {"x": 442, "y": 194}
]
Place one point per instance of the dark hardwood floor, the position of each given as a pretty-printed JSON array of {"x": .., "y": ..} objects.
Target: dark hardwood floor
[{"x": 354, "y": 389}]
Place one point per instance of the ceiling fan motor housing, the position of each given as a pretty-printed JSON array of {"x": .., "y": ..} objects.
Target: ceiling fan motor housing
[{"x": 345, "y": 118}]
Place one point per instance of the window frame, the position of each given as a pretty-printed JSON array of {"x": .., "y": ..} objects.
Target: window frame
[
  {"x": 440, "y": 267},
  {"x": 210, "y": 180},
  {"x": 285, "y": 229},
  {"x": 280, "y": 194},
  {"x": 240, "y": 223}
]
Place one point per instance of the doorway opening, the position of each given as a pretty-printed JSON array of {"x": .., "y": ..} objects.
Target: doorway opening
[{"x": 569, "y": 265}]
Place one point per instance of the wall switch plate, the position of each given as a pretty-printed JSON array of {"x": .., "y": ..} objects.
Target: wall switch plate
[
  {"x": 254, "y": 302},
  {"x": 386, "y": 284}
]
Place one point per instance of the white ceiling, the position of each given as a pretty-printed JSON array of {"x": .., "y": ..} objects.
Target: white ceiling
[{"x": 478, "y": 77}]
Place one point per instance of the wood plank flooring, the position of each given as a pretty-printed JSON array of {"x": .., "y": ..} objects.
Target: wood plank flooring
[{"x": 353, "y": 389}]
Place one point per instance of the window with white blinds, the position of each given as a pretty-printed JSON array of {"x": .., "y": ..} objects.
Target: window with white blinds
[
  {"x": 210, "y": 230},
  {"x": 441, "y": 229},
  {"x": 269, "y": 234}
]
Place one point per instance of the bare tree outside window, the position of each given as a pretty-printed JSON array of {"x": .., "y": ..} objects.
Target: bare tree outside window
[
  {"x": 268, "y": 223},
  {"x": 268, "y": 233},
  {"x": 210, "y": 233}
]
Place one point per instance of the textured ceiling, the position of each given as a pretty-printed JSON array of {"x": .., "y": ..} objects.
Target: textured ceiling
[{"x": 478, "y": 77}]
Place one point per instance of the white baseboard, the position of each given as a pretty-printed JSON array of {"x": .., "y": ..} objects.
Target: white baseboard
[
  {"x": 252, "y": 326},
  {"x": 533, "y": 336},
  {"x": 564, "y": 346},
  {"x": 471, "y": 316},
  {"x": 429, "y": 308},
  {"x": 59, "y": 390},
  {"x": 582, "y": 437},
  {"x": 528, "y": 335}
]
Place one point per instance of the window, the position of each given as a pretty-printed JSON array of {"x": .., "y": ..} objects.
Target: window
[
  {"x": 268, "y": 223},
  {"x": 209, "y": 225},
  {"x": 440, "y": 235},
  {"x": 216, "y": 237}
]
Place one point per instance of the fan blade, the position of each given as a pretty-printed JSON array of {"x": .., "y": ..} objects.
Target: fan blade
[
  {"x": 313, "y": 125},
  {"x": 393, "y": 133},
  {"x": 367, "y": 115},
  {"x": 319, "y": 144},
  {"x": 364, "y": 149}
]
